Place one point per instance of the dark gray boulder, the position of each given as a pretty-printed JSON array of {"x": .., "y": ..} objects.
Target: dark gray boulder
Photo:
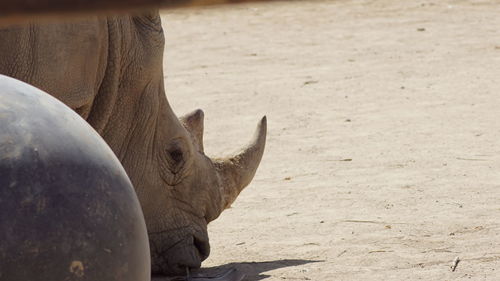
[{"x": 67, "y": 208}]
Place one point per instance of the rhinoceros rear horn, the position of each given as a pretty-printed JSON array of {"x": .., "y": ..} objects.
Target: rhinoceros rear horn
[
  {"x": 237, "y": 171},
  {"x": 193, "y": 122}
]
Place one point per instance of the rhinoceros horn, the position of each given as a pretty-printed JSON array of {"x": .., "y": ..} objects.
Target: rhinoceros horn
[
  {"x": 237, "y": 171},
  {"x": 234, "y": 172}
]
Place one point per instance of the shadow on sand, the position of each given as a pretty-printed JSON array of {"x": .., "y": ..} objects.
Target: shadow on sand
[{"x": 254, "y": 270}]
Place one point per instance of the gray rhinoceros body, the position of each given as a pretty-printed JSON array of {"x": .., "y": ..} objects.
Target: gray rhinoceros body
[{"x": 109, "y": 70}]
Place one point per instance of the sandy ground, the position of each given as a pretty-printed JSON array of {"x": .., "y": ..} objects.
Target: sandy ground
[{"x": 383, "y": 154}]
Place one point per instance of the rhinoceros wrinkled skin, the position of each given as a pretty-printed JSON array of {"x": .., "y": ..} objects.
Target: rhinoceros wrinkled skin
[{"x": 109, "y": 70}]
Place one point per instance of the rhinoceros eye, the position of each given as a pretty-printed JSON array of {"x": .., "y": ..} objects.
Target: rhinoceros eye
[
  {"x": 176, "y": 160},
  {"x": 177, "y": 154}
]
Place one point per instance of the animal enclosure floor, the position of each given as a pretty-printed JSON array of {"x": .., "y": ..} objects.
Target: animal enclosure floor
[{"x": 383, "y": 152}]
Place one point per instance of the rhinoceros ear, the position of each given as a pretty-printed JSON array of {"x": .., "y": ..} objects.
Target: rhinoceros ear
[{"x": 193, "y": 122}]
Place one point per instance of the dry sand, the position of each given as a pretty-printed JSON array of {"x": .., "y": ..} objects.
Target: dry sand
[{"x": 383, "y": 153}]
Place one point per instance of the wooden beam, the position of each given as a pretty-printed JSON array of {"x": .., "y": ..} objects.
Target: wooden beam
[{"x": 17, "y": 11}]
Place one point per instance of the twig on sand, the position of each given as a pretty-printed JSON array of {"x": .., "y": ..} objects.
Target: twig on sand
[
  {"x": 341, "y": 160},
  {"x": 343, "y": 252},
  {"x": 379, "y": 251},
  {"x": 370, "y": 221},
  {"x": 471, "y": 159},
  {"x": 455, "y": 263}
]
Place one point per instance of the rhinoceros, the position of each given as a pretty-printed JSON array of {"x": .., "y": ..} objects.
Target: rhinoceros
[{"x": 109, "y": 70}]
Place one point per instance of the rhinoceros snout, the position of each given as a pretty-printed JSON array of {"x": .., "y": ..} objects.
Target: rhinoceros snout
[
  {"x": 202, "y": 246},
  {"x": 186, "y": 253}
]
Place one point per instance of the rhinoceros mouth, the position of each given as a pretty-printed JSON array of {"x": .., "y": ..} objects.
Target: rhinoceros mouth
[
  {"x": 173, "y": 259},
  {"x": 202, "y": 246}
]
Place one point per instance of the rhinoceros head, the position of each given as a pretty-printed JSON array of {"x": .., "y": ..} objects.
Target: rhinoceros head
[{"x": 193, "y": 191}]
